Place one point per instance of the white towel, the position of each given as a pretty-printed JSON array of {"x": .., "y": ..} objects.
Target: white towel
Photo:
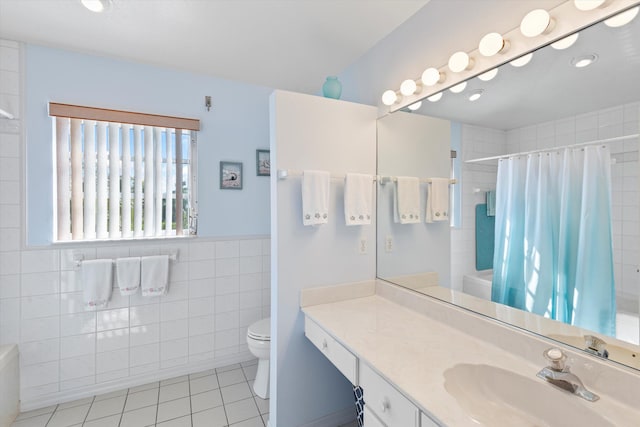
[
  {"x": 438, "y": 200},
  {"x": 406, "y": 200},
  {"x": 96, "y": 276},
  {"x": 315, "y": 197},
  {"x": 154, "y": 275},
  {"x": 358, "y": 198},
  {"x": 128, "y": 275}
]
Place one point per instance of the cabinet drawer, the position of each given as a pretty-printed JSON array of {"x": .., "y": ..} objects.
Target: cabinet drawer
[
  {"x": 387, "y": 403},
  {"x": 333, "y": 350}
]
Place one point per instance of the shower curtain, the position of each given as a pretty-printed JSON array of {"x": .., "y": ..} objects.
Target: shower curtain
[{"x": 553, "y": 238}]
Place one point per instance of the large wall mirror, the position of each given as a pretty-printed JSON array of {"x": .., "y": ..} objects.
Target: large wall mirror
[{"x": 586, "y": 92}]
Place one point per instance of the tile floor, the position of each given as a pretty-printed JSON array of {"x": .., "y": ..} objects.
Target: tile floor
[{"x": 216, "y": 398}]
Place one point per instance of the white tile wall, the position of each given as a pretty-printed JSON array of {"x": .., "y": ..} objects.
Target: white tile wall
[
  {"x": 606, "y": 123},
  {"x": 66, "y": 349}
]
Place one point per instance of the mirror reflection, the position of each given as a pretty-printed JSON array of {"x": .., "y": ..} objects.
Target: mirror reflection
[{"x": 543, "y": 218}]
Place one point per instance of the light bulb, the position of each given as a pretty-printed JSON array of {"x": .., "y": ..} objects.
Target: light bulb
[
  {"x": 622, "y": 18},
  {"x": 565, "y": 42},
  {"x": 492, "y": 44},
  {"x": 458, "y": 88},
  {"x": 522, "y": 61},
  {"x": 485, "y": 77},
  {"x": 435, "y": 98},
  {"x": 460, "y": 61},
  {"x": 431, "y": 76},
  {"x": 586, "y": 5},
  {"x": 389, "y": 97},
  {"x": 535, "y": 23},
  {"x": 408, "y": 87},
  {"x": 415, "y": 106}
]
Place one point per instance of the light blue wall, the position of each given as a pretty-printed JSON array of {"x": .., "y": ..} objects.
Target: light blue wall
[{"x": 236, "y": 126}]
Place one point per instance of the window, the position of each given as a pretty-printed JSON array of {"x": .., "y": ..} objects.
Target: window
[{"x": 123, "y": 175}]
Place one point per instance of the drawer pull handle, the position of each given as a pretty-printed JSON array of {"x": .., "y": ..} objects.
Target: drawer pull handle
[
  {"x": 384, "y": 405},
  {"x": 324, "y": 344}
]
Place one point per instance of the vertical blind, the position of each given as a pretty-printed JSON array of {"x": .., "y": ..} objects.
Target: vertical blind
[{"x": 122, "y": 175}]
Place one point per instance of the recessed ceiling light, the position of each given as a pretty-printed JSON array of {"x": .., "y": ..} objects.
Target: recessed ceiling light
[
  {"x": 584, "y": 60},
  {"x": 586, "y": 5},
  {"x": 458, "y": 88},
  {"x": 415, "y": 106},
  {"x": 96, "y": 5},
  {"x": 389, "y": 97},
  {"x": 485, "y": 77},
  {"x": 435, "y": 98},
  {"x": 522, "y": 61},
  {"x": 565, "y": 42},
  {"x": 622, "y": 18},
  {"x": 475, "y": 95},
  {"x": 535, "y": 23}
]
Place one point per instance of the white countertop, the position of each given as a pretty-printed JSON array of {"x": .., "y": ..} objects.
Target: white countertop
[{"x": 412, "y": 351}]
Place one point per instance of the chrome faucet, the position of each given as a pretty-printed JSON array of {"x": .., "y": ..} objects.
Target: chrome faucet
[
  {"x": 559, "y": 375},
  {"x": 596, "y": 346}
]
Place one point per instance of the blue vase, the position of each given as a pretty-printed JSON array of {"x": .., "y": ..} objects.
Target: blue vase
[{"x": 332, "y": 88}]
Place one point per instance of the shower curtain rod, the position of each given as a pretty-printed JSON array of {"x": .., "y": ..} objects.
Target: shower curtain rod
[{"x": 583, "y": 144}]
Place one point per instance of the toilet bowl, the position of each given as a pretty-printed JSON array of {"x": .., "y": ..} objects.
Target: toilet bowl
[{"x": 259, "y": 341}]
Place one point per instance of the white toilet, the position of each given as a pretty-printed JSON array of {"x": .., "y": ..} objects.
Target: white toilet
[{"x": 259, "y": 341}]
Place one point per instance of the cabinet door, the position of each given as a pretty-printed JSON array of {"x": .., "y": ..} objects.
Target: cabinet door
[
  {"x": 425, "y": 421},
  {"x": 370, "y": 420},
  {"x": 387, "y": 403}
]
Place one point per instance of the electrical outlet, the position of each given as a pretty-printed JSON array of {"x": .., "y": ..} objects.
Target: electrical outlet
[
  {"x": 363, "y": 246},
  {"x": 388, "y": 244}
]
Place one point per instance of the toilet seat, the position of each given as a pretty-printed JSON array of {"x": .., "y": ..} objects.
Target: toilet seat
[{"x": 260, "y": 330}]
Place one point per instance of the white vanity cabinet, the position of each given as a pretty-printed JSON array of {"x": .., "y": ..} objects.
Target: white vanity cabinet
[{"x": 385, "y": 406}]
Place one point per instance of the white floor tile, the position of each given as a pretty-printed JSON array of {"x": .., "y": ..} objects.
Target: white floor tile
[
  {"x": 140, "y": 417},
  {"x": 241, "y": 410},
  {"x": 202, "y": 384},
  {"x": 173, "y": 409},
  {"x": 250, "y": 372},
  {"x": 202, "y": 374},
  {"x": 210, "y": 418},
  {"x": 235, "y": 392},
  {"x": 231, "y": 377},
  {"x": 141, "y": 399},
  {"x": 106, "y": 396},
  {"x": 68, "y": 417},
  {"x": 253, "y": 422},
  {"x": 177, "y": 422},
  {"x": 111, "y": 421},
  {"x": 174, "y": 391},
  {"x": 206, "y": 400},
  {"x": 249, "y": 363},
  {"x": 37, "y": 421},
  {"x": 144, "y": 387},
  {"x": 106, "y": 407},
  {"x": 265, "y": 419},
  {"x": 263, "y": 405}
]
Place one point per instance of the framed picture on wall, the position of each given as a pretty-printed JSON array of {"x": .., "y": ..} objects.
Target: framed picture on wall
[
  {"x": 231, "y": 175},
  {"x": 263, "y": 162}
]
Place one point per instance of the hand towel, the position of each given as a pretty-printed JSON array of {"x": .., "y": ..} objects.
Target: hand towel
[
  {"x": 406, "y": 200},
  {"x": 154, "y": 275},
  {"x": 491, "y": 203},
  {"x": 96, "y": 276},
  {"x": 358, "y": 198},
  {"x": 128, "y": 275},
  {"x": 315, "y": 197},
  {"x": 438, "y": 200}
]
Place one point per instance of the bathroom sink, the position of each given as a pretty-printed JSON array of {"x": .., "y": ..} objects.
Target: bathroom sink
[{"x": 493, "y": 396}]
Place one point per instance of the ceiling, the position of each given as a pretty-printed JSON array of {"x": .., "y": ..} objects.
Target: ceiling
[{"x": 283, "y": 44}]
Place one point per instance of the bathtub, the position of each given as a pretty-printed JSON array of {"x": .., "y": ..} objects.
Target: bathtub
[
  {"x": 478, "y": 284},
  {"x": 9, "y": 384}
]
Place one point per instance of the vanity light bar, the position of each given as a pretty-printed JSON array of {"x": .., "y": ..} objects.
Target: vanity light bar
[{"x": 538, "y": 28}]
